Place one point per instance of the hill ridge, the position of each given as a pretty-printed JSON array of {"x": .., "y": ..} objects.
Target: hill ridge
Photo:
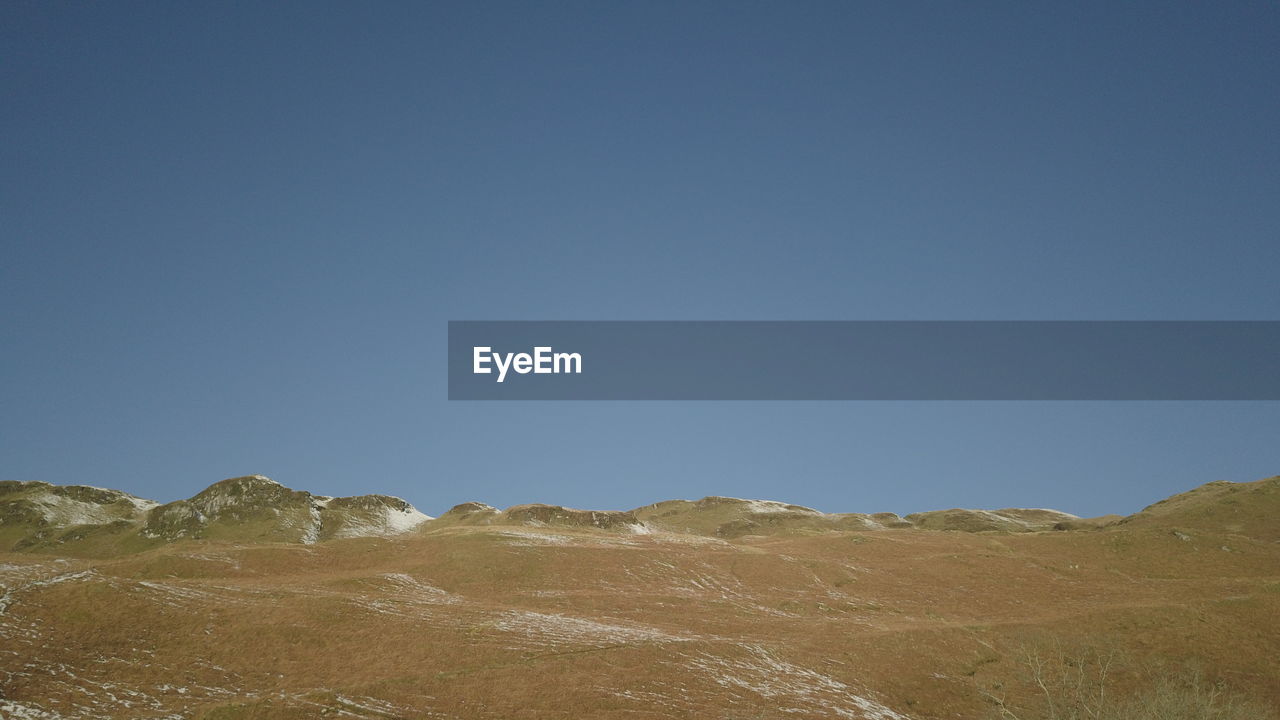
[{"x": 41, "y": 516}]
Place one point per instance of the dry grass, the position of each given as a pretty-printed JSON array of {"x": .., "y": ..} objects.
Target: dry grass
[
  {"x": 491, "y": 622},
  {"x": 1087, "y": 682}
]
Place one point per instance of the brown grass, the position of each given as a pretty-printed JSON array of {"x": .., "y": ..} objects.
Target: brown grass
[{"x": 502, "y": 622}]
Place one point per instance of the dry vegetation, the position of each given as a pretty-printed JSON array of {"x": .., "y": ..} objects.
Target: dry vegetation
[
  {"x": 1171, "y": 614},
  {"x": 1099, "y": 682}
]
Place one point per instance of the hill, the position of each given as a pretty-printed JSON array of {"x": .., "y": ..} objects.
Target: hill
[
  {"x": 242, "y": 605},
  {"x": 1223, "y": 508},
  {"x": 82, "y": 520}
]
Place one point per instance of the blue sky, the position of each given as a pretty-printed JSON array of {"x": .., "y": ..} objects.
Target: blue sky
[{"x": 233, "y": 235}]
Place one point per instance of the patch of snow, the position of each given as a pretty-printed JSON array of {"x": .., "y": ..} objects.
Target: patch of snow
[
  {"x": 369, "y": 707},
  {"x": 186, "y": 594},
  {"x": 771, "y": 507},
  {"x": 562, "y": 629},
  {"x": 1054, "y": 512},
  {"x": 539, "y": 538},
  {"x": 82, "y": 575},
  {"x": 407, "y": 586},
  {"x": 142, "y": 505},
  {"x": 312, "y": 532},
  {"x": 402, "y": 521},
  {"x": 779, "y": 681},
  {"x": 214, "y": 557},
  {"x": 61, "y": 511},
  {"x": 678, "y": 538},
  {"x": 18, "y": 711},
  {"x": 384, "y": 522}
]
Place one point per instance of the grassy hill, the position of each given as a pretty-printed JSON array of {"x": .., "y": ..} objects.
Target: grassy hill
[
  {"x": 91, "y": 522},
  {"x": 719, "y": 608}
]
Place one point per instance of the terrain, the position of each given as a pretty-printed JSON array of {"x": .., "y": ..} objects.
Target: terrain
[{"x": 252, "y": 600}]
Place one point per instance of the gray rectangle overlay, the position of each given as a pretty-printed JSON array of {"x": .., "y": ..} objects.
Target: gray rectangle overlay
[{"x": 867, "y": 360}]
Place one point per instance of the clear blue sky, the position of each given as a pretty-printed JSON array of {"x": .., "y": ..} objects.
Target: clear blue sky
[{"x": 232, "y": 235}]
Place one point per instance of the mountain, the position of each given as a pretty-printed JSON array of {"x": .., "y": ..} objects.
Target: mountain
[
  {"x": 37, "y": 516},
  {"x": 728, "y": 517},
  {"x": 244, "y": 601},
  {"x": 1006, "y": 520},
  {"x": 1249, "y": 509},
  {"x": 79, "y": 519},
  {"x": 542, "y": 516},
  {"x": 35, "y": 513}
]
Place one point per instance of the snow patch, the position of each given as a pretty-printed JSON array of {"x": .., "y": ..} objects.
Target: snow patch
[
  {"x": 562, "y": 629},
  {"x": 385, "y": 522},
  {"x": 408, "y": 586},
  {"x": 782, "y": 682},
  {"x": 18, "y": 711},
  {"x": 312, "y": 533},
  {"x": 61, "y": 511},
  {"x": 537, "y": 538},
  {"x": 402, "y": 521},
  {"x": 772, "y": 507}
]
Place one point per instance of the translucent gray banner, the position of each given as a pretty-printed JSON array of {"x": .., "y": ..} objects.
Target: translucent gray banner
[{"x": 863, "y": 360}]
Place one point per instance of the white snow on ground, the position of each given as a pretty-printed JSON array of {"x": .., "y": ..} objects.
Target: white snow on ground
[
  {"x": 10, "y": 709},
  {"x": 28, "y": 577},
  {"x": 390, "y": 522},
  {"x": 140, "y": 504},
  {"x": 369, "y": 707},
  {"x": 312, "y": 532},
  {"x": 588, "y": 538},
  {"x": 704, "y": 581},
  {"x": 61, "y": 511},
  {"x": 221, "y": 558},
  {"x": 65, "y": 577},
  {"x": 82, "y": 696},
  {"x": 408, "y": 587},
  {"x": 782, "y": 683},
  {"x": 1000, "y": 519},
  {"x": 402, "y": 521},
  {"x": 1008, "y": 518},
  {"x": 402, "y": 595},
  {"x": 770, "y": 507},
  {"x": 545, "y": 628},
  {"x": 355, "y": 706},
  {"x": 679, "y": 538},
  {"x": 537, "y": 538},
  {"x": 177, "y": 594}
]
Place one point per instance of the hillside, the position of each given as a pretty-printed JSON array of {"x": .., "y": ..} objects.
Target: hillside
[
  {"x": 1220, "y": 508},
  {"x": 238, "y": 603},
  {"x": 86, "y": 521},
  {"x": 83, "y": 520}
]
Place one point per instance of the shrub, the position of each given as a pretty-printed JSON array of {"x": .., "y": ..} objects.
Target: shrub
[{"x": 1091, "y": 683}]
